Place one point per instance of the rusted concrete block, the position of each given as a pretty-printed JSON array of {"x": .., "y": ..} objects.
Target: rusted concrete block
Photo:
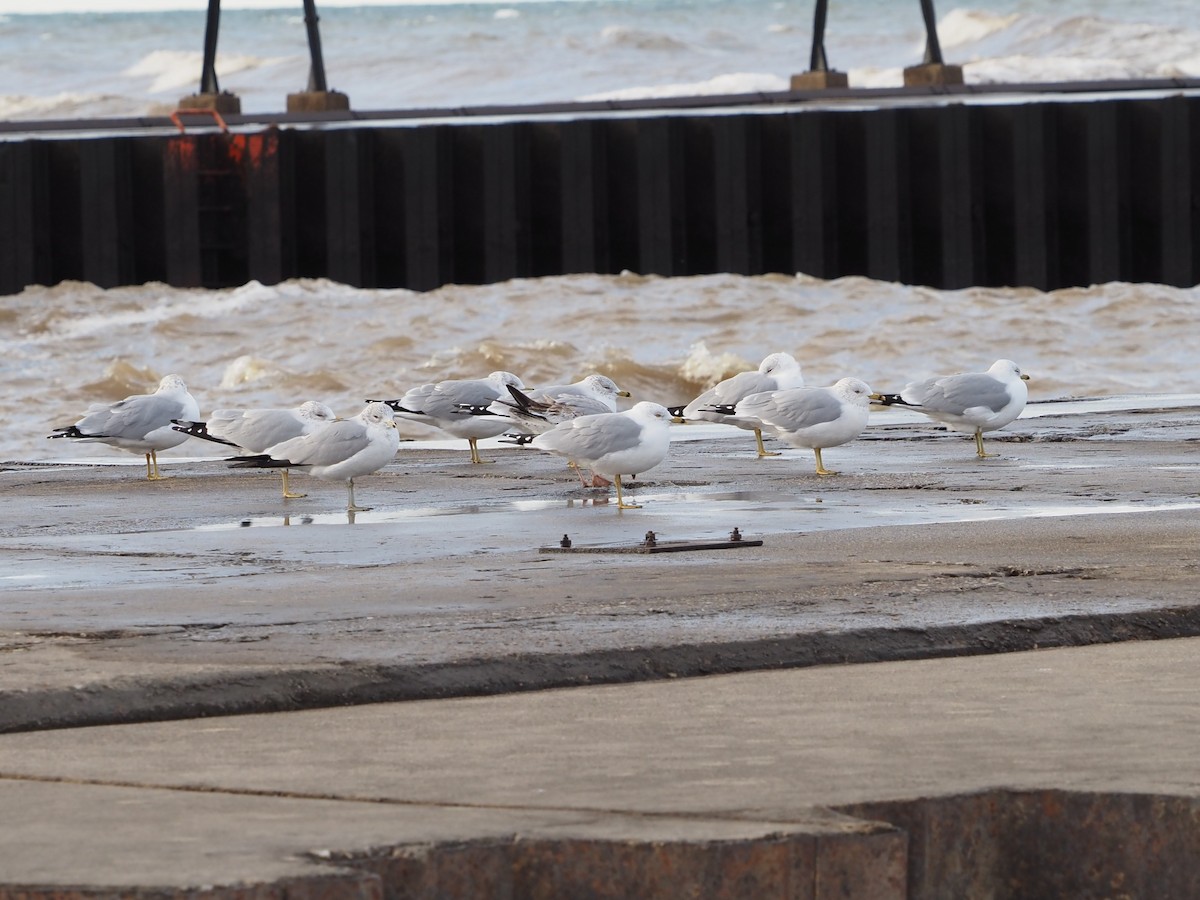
[
  {"x": 340, "y": 886},
  {"x": 445, "y": 871},
  {"x": 223, "y": 102},
  {"x": 955, "y": 844},
  {"x": 1068, "y": 844},
  {"x": 932, "y": 73},
  {"x": 317, "y": 101},
  {"x": 779, "y": 866},
  {"x": 817, "y": 81},
  {"x": 860, "y": 866}
]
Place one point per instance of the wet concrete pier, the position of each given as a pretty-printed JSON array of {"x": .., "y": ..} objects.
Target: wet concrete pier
[
  {"x": 1035, "y": 185},
  {"x": 937, "y": 676}
]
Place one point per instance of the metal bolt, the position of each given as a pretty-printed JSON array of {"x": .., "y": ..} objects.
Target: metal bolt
[
  {"x": 735, "y": 535},
  {"x": 651, "y": 539},
  {"x": 565, "y": 543}
]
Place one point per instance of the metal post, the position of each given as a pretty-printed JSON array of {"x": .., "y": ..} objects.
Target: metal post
[
  {"x": 933, "y": 50},
  {"x": 818, "y": 62},
  {"x": 316, "y": 74},
  {"x": 208, "y": 72}
]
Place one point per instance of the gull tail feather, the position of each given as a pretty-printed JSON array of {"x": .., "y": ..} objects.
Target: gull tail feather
[
  {"x": 198, "y": 430},
  {"x": 261, "y": 461},
  {"x": 519, "y": 439},
  {"x": 891, "y": 400},
  {"x": 69, "y": 431}
]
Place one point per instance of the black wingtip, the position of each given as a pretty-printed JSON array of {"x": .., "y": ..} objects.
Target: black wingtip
[
  {"x": 198, "y": 430},
  {"x": 724, "y": 409},
  {"x": 676, "y": 411},
  {"x": 261, "y": 461},
  {"x": 519, "y": 439},
  {"x": 396, "y": 406},
  {"x": 69, "y": 431},
  {"x": 524, "y": 401},
  {"x": 889, "y": 400},
  {"x": 472, "y": 410}
]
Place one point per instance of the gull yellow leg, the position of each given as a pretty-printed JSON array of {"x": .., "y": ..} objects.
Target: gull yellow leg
[
  {"x": 763, "y": 451},
  {"x": 621, "y": 504},
  {"x": 152, "y": 466},
  {"x": 351, "y": 507},
  {"x": 979, "y": 451},
  {"x": 475, "y": 457},
  {"x": 821, "y": 470},
  {"x": 287, "y": 493}
]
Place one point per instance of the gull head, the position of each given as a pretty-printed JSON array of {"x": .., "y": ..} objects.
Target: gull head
[
  {"x": 171, "y": 384},
  {"x": 778, "y": 362},
  {"x": 853, "y": 390},
  {"x": 604, "y": 386},
  {"x": 378, "y": 413},
  {"x": 1007, "y": 370},
  {"x": 314, "y": 411},
  {"x": 500, "y": 379}
]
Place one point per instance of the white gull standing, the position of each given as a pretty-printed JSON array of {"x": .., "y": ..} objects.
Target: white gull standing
[
  {"x": 969, "y": 402},
  {"x": 777, "y": 372},
  {"x": 340, "y": 451},
  {"x": 140, "y": 423},
  {"x": 255, "y": 430},
  {"x": 612, "y": 444},
  {"x": 447, "y": 406},
  {"x": 541, "y": 409},
  {"x": 812, "y": 417}
]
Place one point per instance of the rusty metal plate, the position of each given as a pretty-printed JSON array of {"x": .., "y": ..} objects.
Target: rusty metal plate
[{"x": 651, "y": 544}]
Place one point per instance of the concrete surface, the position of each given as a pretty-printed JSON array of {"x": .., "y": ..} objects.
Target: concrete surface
[{"x": 128, "y": 602}]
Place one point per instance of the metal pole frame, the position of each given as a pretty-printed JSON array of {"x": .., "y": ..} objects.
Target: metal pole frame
[
  {"x": 817, "y": 61},
  {"x": 316, "y": 73},
  {"x": 208, "y": 71},
  {"x": 933, "y": 50}
]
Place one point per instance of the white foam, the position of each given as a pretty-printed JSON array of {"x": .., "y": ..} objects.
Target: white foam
[
  {"x": 966, "y": 26},
  {"x": 173, "y": 304},
  {"x": 172, "y": 70},
  {"x": 732, "y": 83}
]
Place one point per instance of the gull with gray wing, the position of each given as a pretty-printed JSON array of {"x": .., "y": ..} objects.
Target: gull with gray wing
[
  {"x": 813, "y": 417},
  {"x": 969, "y": 402},
  {"x": 254, "y": 430},
  {"x": 342, "y": 450},
  {"x": 612, "y": 444},
  {"x": 777, "y": 372},
  {"x": 447, "y": 405},
  {"x": 140, "y": 423}
]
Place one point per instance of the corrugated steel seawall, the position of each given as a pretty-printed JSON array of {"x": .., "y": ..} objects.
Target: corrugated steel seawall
[{"x": 1075, "y": 190}]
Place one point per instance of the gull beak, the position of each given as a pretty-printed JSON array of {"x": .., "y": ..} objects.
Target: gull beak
[
  {"x": 624, "y": 394},
  {"x": 1024, "y": 377},
  {"x": 875, "y": 396}
]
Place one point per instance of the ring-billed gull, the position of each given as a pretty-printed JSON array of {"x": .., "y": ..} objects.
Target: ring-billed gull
[
  {"x": 255, "y": 430},
  {"x": 813, "y": 417},
  {"x": 541, "y": 409},
  {"x": 613, "y": 444},
  {"x": 777, "y": 372},
  {"x": 139, "y": 424},
  {"x": 970, "y": 402},
  {"x": 340, "y": 451},
  {"x": 446, "y": 406}
]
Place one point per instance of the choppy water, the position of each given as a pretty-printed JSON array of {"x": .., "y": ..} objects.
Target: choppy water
[
  {"x": 664, "y": 339},
  {"x": 436, "y": 54}
]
